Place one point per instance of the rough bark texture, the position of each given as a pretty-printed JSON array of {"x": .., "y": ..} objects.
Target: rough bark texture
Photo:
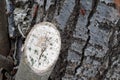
[
  {"x": 4, "y": 42},
  {"x": 90, "y": 38},
  {"x": 90, "y": 32},
  {"x": 5, "y": 63}
]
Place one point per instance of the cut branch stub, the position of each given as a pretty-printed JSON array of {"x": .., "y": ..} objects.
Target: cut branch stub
[{"x": 41, "y": 52}]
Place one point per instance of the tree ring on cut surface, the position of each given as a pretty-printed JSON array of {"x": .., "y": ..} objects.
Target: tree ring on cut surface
[{"x": 42, "y": 47}]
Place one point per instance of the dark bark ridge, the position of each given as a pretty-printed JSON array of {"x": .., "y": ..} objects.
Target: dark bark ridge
[{"x": 5, "y": 63}]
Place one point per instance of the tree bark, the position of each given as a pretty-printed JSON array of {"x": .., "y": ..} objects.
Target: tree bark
[
  {"x": 90, "y": 32},
  {"x": 5, "y": 63},
  {"x": 4, "y": 40}
]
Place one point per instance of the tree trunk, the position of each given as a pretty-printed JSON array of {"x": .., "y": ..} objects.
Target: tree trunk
[
  {"x": 5, "y": 63},
  {"x": 90, "y": 32},
  {"x": 4, "y": 40},
  {"x": 41, "y": 52}
]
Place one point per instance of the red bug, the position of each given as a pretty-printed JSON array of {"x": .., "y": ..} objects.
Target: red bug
[{"x": 82, "y": 11}]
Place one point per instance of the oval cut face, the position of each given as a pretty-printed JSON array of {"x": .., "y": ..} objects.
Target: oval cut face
[{"x": 42, "y": 46}]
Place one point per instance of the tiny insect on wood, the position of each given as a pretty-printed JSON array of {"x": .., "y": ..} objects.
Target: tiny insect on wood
[{"x": 82, "y": 11}]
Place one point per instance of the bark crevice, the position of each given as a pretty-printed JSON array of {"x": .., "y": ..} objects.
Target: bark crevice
[
  {"x": 67, "y": 36},
  {"x": 93, "y": 9}
]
